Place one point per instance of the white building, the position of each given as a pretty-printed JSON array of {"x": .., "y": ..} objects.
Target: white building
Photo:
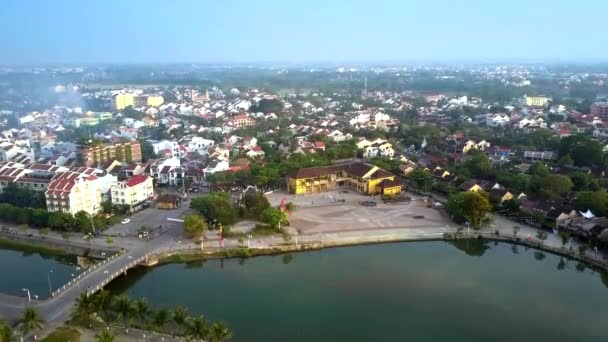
[{"x": 134, "y": 191}]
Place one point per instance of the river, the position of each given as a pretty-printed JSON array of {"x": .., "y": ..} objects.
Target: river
[
  {"x": 433, "y": 291},
  {"x": 34, "y": 271}
]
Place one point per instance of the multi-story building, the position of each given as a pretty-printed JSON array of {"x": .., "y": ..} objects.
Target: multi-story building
[
  {"x": 73, "y": 191},
  {"x": 122, "y": 101},
  {"x": 133, "y": 192},
  {"x": 365, "y": 178},
  {"x": 98, "y": 154},
  {"x": 241, "y": 121},
  {"x": 537, "y": 101},
  {"x": 599, "y": 109}
]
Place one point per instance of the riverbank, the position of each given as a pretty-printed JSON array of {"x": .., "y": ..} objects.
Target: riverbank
[
  {"x": 55, "y": 247},
  {"x": 190, "y": 254}
]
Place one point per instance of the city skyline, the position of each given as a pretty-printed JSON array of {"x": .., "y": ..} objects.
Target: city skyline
[{"x": 113, "y": 32}]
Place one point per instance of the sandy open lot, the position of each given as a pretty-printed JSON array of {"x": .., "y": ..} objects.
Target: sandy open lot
[{"x": 326, "y": 213}]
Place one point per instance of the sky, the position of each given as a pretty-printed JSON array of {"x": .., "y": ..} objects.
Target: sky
[{"x": 300, "y": 31}]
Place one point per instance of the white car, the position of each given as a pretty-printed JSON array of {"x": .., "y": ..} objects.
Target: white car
[{"x": 125, "y": 221}]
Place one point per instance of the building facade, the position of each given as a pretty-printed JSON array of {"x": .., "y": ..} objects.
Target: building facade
[
  {"x": 73, "y": 191},
  {"x": 128, "y": 152},
  {"x": 364, "y": 178},
  {"x": 599, "y": 109},
  {"x": 133, "y": 192}
]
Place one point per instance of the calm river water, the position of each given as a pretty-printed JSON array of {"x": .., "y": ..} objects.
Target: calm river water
[
  {"x": 34, "y": 271},
  {"x": 433, "y": 291}
]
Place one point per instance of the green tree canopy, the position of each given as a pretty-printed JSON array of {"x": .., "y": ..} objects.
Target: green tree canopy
[
  {"x": 421, "y": 178},
  {"x": 273, "y": 217},
  {"x": 215, "y": 207},
  {"x": 194, "y": 225},
  {"x": 583, "y": 150},
  {"x": 255, "y": 203},
  {"x": 468, "y": 206},
  {"x": 596, "y": 201}
]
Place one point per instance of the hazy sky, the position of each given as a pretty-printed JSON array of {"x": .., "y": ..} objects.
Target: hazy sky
[{"x": 134, "y": 31}]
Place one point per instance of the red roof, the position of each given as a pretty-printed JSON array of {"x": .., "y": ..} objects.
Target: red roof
[
  {"x": 319, "y": 144},
  {"x": 136, "y": 180}
]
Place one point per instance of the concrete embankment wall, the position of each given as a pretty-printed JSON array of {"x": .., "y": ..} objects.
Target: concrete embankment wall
[{"x": 54, "y": 246}]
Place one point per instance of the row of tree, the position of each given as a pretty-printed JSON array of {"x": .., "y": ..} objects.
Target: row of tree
[
  {"x": 40, "y": 218},
  {"x": 102, "y": 307}
]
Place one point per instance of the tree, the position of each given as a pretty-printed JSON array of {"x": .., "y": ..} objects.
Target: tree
[
  {"x": 60, "y": 220},
  {"x": 83, "y": 221},
  {"x": 565, "y": 160},
  {"x": 161, "y": 317},
  {"x": 31, "y": 321},
  {"x": 583, "y": 182},
  {"x": 6, "y": 334},
  {"x": 552, "y": 186},
  {"x": 194, "y": 225},
  {"x": 267, "y": 106},
  {"x": 217, "y": 206},
  {"x": 219, "y": 332},
  {"x": 273, "y": 217},
  {"x": 124, "y": 308},
  {"x": 103, "y": 304},
  {"x": 539, "y": 169},
  {"x": 255, "y": 203},
  {"x": 180, "y": 316},
  {"x": 84, "y": 308},
  {"x": 421, "y": 178},
  {"x": 468, "y": 206},
  {"x": 141, "y": 309},
  {"x": 583, "y": 150},
  {"x": 105, "y": 336},
  {"x": 596, "y": 201},
  {"x": 479, "y": 166},
  {"x": 197, "y": 328}
]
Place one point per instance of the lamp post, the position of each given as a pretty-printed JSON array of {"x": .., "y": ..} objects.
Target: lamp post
[
  {"x": 49, "y": 277},
  {"x": 468, "y": 228},
  {"x": 29, "y": 297},
  {"x": 595, "y": 254}
]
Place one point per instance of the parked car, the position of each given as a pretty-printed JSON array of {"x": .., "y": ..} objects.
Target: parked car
[
  {"x": 368, "y": 203},
  {"x": 125, "y": 221}
]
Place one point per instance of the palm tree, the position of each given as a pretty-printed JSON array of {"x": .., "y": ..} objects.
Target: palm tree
[
  {"x": 123, "y": 308},
  {"x": 141, "y": 310},
  {"x": 197, "y": 328},
  {"x": 219, "y": 332},
  {"x": 31, "y": 321},
  {"x": 105, "y": 336},
  {"x": 6, "y": 335},
  {"x": 180, "y": 315},
  {"x": 84, "y": 308},
  {"x": 161, "y": 317},
  {"x": 103, "y": 302}
]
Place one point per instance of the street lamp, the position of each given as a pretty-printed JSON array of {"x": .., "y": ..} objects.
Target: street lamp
[
  {"x": 29, "y": 297},
  {"x": 595, "y": 255},
  {"x": 49, "y": 277},
  {"x": 468, "y": 228},
  {"x": 36, "y": 297}
]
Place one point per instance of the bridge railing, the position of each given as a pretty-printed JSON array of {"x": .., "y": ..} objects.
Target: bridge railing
[{"x": 83, "y": 274}]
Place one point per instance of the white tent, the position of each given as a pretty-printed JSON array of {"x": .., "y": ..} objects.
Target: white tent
[{"x": 588, "y": 214}]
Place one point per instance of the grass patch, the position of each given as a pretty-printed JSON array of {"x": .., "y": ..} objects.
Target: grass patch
[
  {"x": 31, "y": 247},
  {"x": 63, "y": 334},
  {"x": 264, "y": 230}
]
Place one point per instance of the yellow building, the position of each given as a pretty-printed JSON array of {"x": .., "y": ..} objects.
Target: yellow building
[
  {"x": 365, "y": 178},
  {"x": 122, "y": 101},
  {"x": 537, "y": 101},
  {"x": 155, "y": 101}
]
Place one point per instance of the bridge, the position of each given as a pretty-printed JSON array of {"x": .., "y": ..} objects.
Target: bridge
[{"x": 57, "y": 308}]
